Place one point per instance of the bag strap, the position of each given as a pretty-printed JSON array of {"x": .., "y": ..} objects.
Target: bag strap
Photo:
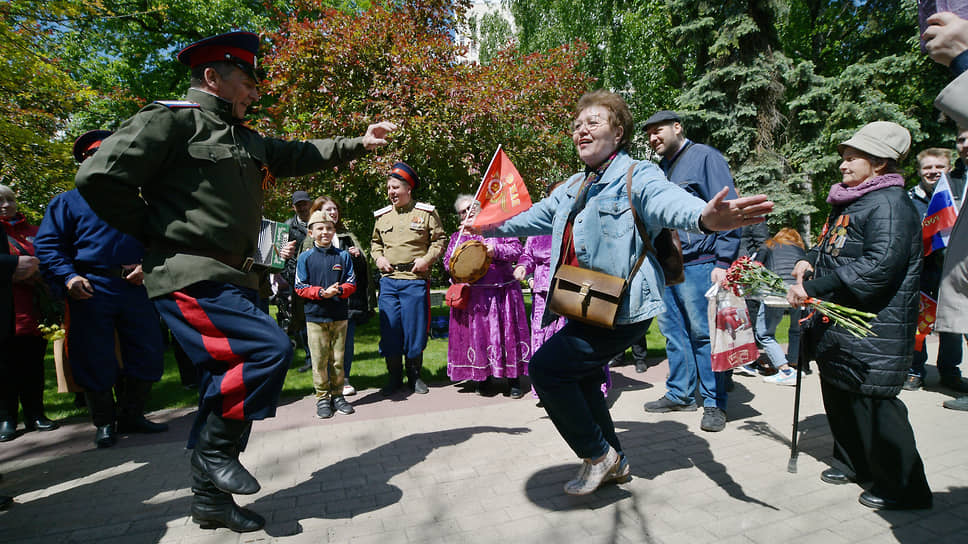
[
  {"x": 18, "y": 246},
  {"x": 675, "y": 160},
  {"x": 639, "y": 227}
]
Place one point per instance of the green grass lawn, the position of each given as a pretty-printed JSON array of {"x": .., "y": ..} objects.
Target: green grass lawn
[{"x": 369, "y": 370}]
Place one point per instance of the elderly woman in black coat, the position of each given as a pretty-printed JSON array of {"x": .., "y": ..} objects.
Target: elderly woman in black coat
[{"x": 869, "y": 258}]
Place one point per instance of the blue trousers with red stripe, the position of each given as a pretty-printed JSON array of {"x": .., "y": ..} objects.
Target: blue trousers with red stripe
[
  {"x": 404, "y": 316},
  {"x": 241, "y": 353}
]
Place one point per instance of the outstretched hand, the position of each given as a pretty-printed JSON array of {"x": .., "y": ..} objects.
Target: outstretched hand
[
  {"x": 376, "y": 134},
  {"x": 946, "y": 37},
  {"x": 721, "y": 214}
]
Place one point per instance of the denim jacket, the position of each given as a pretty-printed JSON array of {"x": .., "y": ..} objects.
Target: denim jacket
[{"x": 605, "y": 236}]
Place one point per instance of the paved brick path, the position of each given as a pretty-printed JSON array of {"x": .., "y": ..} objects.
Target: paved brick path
[{"x": 457, "y": 467}]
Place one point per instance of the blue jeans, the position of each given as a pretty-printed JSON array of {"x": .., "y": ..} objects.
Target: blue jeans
[
  {"x": 765, "y": 332},
  {"x": 949, "y": 356},
  {"x": 567, "y": 372},
  {"x": 686, "y": 327},
  {"x": 348, "y": 350}
]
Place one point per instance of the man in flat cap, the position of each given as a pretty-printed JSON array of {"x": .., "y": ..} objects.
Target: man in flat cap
[
  {"x": 187, "y": 179},
  {"x": 100, "y": 269},
  {"x": 301, "y": 203},
  {"x": 407, "y": 239},
  {"x": 702, "y": 171}
]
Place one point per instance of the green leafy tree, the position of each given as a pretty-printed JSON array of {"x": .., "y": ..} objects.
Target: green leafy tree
[
  {"x": 37, "y": 95},
  {"x": 334, "y": 73},
  {"x": 124, "y": 50},
  {"x": 492, "y": 32},
  {"x": 628, "y": 45},
  {"x": 774, "y": 84}
]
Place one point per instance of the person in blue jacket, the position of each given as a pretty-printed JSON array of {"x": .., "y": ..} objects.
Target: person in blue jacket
[
  {"x": 100, "y": 269},
  {"x": 702, "y": 172},
  {"x": 325, "y": 278}
]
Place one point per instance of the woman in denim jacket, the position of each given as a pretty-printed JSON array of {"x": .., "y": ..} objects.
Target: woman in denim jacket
[{"x": 593, "y": 209}]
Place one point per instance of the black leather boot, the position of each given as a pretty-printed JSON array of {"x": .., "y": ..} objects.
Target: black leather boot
[
  {"x": 414, "y": 366},
  {"x": 8, "y": 430},
  {"x": 216, "y": 455},
  {"x": 131, "y": 408},
  {"x": 395, "y": 371},
  {"x": 102, "y": 410},
  {"x": 213, "y": 508}
]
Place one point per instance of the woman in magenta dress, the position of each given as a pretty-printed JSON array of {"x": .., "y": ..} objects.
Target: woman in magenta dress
[
  {"x": 490, "y": 337},
  {"x": 535, "y": 260}
]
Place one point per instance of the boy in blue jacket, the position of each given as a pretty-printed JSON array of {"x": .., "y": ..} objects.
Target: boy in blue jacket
[{"x": 325, "y": 278}]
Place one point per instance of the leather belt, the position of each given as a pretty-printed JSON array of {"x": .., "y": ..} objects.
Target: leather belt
[
  {"x": 103, "y": 271},
  {"x": 243, "y": 264},
  {"x": 404, "y": 267}
]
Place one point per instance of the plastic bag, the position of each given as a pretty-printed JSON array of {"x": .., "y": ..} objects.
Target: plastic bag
[{"x": 731, "y": 341}]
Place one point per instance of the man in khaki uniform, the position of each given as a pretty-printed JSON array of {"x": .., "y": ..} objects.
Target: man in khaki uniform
[{"x": 407, "y": 240}]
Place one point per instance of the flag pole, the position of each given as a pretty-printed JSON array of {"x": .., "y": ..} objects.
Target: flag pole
[{"x": 477, "y": 194}]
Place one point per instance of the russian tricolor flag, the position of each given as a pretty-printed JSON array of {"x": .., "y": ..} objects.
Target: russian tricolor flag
[{"x": 940, "y": 217}]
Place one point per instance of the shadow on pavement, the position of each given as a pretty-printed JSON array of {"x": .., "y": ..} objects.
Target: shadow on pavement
[
  {"x": 911, "y": 526},
  {"x": 351, "y": 486},
  {"x": 815, "y": 439},
  {"x": 653, "y": 449},
  {"x": 55, "y": 500}
]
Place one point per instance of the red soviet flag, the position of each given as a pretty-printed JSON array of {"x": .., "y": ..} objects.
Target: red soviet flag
[{"x": 502, "y": 194}]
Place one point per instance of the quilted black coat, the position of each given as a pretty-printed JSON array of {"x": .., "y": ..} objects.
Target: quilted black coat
[{"x": 876, "y": 257}]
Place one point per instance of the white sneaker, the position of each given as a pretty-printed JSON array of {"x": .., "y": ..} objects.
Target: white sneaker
[
  {"x": 783, "y": 377},
  {"x": 348, "y": 390},
  {"x": 590, "y": 475},
  {"x": 746, "y": 370}
]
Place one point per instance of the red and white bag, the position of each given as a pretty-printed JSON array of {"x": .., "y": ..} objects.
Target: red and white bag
[{"x": 731, "y": 341}]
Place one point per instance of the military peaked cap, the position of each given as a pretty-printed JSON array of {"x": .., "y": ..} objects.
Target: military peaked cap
[
  {"x": 239, "y": 48},
  {"x": 87, "y": 143}
]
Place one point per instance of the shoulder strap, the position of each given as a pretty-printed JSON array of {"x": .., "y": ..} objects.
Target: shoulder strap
[
  {"x": 643, "y": 233},
  {"x": 675, "y": 161},
  {"x": 18, "y": 246}
]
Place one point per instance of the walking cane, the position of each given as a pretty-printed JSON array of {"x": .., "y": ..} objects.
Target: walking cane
[{"x": 792, "y": 464}]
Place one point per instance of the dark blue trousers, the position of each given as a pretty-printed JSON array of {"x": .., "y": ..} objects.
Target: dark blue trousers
[
  {"x": 404, "y": 316},
  {"x": 567, "y": 372},
  {"x": 241, "y": 353},
  {"x": 116, "y": 306}
]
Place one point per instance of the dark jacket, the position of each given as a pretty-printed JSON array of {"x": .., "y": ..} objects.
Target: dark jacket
[
  {"x": 781, "y": 259},
  {"x": 316, "y": 270},
  {"x": 703, "y": 172},
  {"x": 932, "y": 264},
  {"x": 298, "y": 232},
  {"x": 26, "y": 312},
  {"x": 8, "y": 264},
  {"x": 751, "y": 240},
  {"x": 187, "y": 180},
  {"x": 359, "y": 301},
  {"x": 876, "y": 268}
]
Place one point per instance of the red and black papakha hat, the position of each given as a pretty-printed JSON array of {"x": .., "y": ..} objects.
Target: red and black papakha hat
[
  {"x": 87, "y": 143},
  {"x": 404, "y": 173},
  {"x": 238, "y": 48}
]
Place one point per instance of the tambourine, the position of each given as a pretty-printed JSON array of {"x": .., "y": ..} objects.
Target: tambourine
[{"x": 469, "y": 262}]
